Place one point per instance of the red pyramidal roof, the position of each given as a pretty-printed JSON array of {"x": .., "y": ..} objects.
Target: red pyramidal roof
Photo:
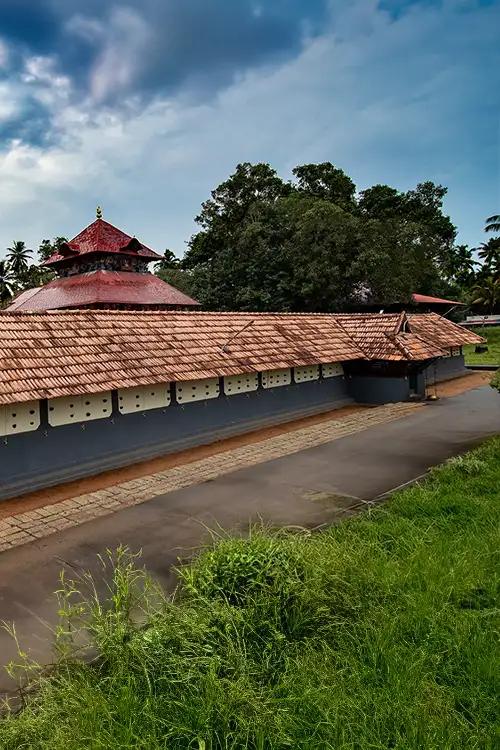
[
  {"x": 103, "y": 288},
  {"x": 97, "y": 269},
  {"x": 101, "y": 237}
]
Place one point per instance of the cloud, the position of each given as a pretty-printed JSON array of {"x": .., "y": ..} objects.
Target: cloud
[
  {"x": 120, "y": 61},
  {"x": 389, "y": 98},
  {"x": 144, "y": 48}
]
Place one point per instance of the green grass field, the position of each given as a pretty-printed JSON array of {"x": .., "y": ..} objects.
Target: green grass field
[
  {"x": 376, "y": 633},
  {"x": 492, "y": 356}
]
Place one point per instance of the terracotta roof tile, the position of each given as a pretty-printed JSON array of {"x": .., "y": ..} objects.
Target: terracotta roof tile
[
  {"x": 45, "y": 355},
  {"x": 102, "y": 287},
  {"x": 374, "y": 333},
  {"x": 59, "y": 353},
  {"x": 441, "y": 331}
]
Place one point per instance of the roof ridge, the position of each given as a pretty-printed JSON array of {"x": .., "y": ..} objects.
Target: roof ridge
[{"x": 351, "y": 338}]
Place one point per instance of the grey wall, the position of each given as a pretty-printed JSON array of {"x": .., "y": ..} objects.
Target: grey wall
[
  {"x": 372, "y": 389},
  {"x": 444, "y": 369},
  {"x": 32, "y": 460}
]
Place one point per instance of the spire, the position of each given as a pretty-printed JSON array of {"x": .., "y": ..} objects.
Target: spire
[{"x": 98, "y": 213}]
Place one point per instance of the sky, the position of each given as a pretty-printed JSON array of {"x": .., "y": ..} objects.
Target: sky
[{"x": 144, "y": 106}]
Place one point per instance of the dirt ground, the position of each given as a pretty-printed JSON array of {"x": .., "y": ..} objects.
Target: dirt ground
[{"x": 460, "y": 385}]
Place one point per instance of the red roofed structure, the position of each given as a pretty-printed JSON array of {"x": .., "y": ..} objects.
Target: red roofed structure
[
  {"x": 425, "y": 299},
  {"x": 103, "y": 268}
]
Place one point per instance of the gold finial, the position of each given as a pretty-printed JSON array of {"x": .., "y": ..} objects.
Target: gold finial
[{"x": 98, "y": 212}]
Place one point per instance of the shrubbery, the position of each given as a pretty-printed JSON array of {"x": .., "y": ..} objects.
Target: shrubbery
[{"x": 372, "y": 634}]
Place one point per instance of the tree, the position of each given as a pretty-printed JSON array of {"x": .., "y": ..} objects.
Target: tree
[
  {"x": 177, "y": 277},
  {"x": 392, "y": 261},
  {"x": 489, "y": 252},
  {"x": 232, "y": 199},
  {"x": 487, "y": 294},
  {"x": 169, "y": 261},
  {"x": 17, "y": 257},
  {"x": 381, "y": 202},
  {"x": 326, "y": 182},
  {"x": 6, "y": 282},
  {"x": 48, "y": 248},
  {"x": 266, "y": 244},
  {"x": 492, "y": 223},
  {"x": 459, "y": 267},
  {"x": 224, "y": 213}
]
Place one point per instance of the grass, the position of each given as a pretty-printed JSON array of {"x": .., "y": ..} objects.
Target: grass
[
  {"x": 492, "y": 356},
  {"x": 376, "y": 633}
]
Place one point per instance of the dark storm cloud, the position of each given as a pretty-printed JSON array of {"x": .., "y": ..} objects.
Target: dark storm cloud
[{"x": 158, "y": 45}]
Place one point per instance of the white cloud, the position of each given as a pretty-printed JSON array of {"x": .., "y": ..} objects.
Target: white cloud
[
  {"x": 10, "y": 101},
  {"x": 44, "y": 83},
  {"x": 388, "y": 100},
  {"x": 4, "y": 54},
  {"x": 127, "y": 36}
]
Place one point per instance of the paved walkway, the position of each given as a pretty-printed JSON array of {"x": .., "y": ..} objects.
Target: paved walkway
[
  {"x": 316, "y": 485},
  {"x": 22, "y": 528}
]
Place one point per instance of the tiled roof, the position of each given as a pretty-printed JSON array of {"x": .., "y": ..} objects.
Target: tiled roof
[
  {"x": 101, "y": 236},
  {"x": 424, "y": 299},
  {"x": 59, "y": 353},
  {"x": 398, "y": 336},
  {"x": 441, "y": 331},
  {"x": 417, "y": 348},
  {"x": 102, "y": 287},
  {"x": 45, "y": 355},
  {"x": 374, "y": 333}
]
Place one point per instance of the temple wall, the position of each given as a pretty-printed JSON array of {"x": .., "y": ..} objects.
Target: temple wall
[
  {"x": 104, "y": 435},
  {"x": 370, "y": 389},
  {"x": 50, "y": 455},
  {"x": 445, "y": 369}
]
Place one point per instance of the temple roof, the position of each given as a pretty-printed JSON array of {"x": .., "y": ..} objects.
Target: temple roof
[
  {"x": 59, "y": 353},
  {"x": 441, "y": 331},
  {"x": 101, "y": 237},
  {"x": 102, "y": 288}
]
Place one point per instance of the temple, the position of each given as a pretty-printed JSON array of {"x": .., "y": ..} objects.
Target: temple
[
  {"x": 103, "y": 268},
  {"x": 85, "y": 391}
]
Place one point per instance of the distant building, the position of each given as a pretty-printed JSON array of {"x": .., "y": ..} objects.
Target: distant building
[
  {"x": 103, "y": 268},
  {"x": 434, "y": 304}
]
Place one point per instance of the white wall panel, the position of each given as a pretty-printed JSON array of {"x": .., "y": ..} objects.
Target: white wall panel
[
  {"x": 196, "y": 390},
  {"x": 143, "y": 398},
  {"x": 69, "y": 409},
  {"x": 249, "y": 381},
  {"x": 275, "y": 378},
  {"x": 332, "y": 370},
  {"x": 23, "y": 417},
  {"x": 309, "y": 372}
]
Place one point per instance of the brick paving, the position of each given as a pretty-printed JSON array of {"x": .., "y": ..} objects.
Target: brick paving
[{"x": 31, "y": 525}]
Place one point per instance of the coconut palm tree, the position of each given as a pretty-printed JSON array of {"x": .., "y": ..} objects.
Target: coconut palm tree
[
  {"x": 492, "y": 223},
  {"x": 459, "y": 264},
  {"x": 6, "y": 282},
  {"x": 487, "y": 294},
  {"x": 17, "y": 257},
  {"x": 489, "y": 252}
]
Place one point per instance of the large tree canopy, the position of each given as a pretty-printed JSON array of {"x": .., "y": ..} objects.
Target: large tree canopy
[{"x": 313, "y": 244}]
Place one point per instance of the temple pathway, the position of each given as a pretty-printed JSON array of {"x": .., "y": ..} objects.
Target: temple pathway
[
  {"x": 22, "y": 528},
  {"x": 308, "y": 477}
]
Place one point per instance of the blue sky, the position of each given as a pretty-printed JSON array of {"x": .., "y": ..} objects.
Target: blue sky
[{"x": 144, "y": 106}]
